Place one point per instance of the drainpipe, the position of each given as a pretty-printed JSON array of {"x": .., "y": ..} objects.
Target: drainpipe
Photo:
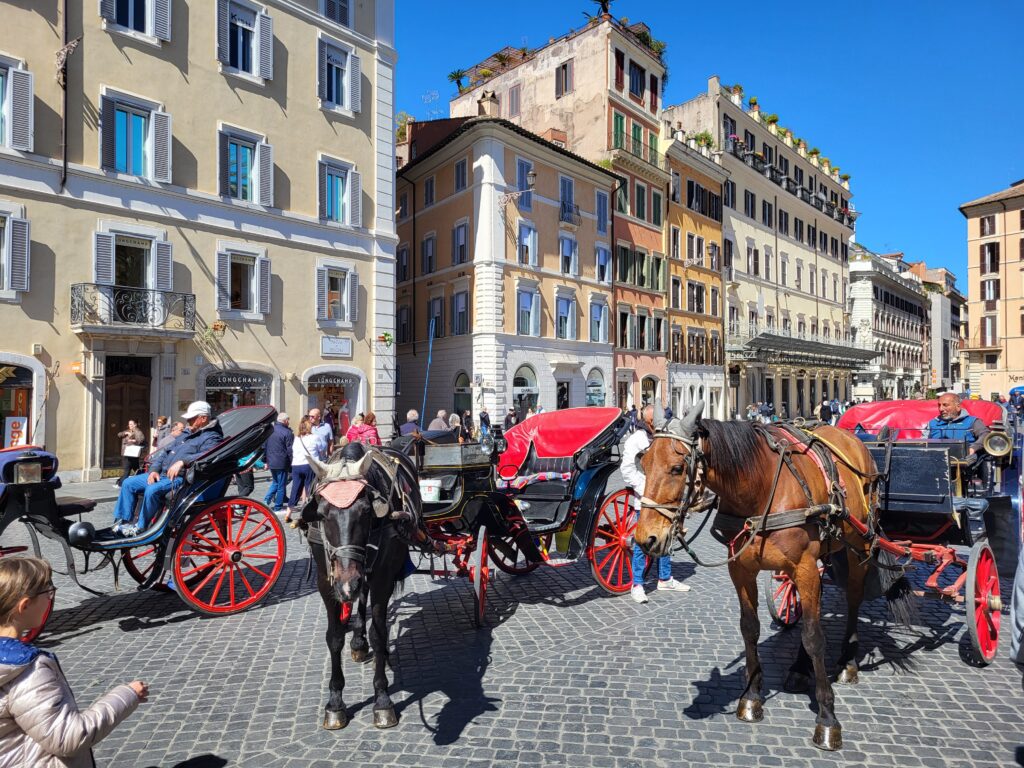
[
  {"x": 64, "y": 96},
  {"x": 412, "y": 269}
]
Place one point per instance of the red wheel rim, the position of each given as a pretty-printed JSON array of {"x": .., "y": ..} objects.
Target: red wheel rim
[
  {"x": 229, "y": 556},
  {"x": 32, "y": 634},
  {"x": 139, "y": 562},
  {"x": 785, "y": 600},
  {"x": 983, "y": 604},
  {"x": 611, "y": 547},
  {"x": 479, "y": 573}
]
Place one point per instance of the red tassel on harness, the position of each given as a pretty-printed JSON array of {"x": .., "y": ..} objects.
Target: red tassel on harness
[{"x": 346, "y": 611}]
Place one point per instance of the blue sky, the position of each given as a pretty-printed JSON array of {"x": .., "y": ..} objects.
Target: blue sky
[{"x": 922, "y": 103}]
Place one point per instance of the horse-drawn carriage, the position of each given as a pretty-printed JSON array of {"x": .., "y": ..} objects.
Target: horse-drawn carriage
[
  {"x": 935, "y": 499},
  {"x": 223, "y": 554}
]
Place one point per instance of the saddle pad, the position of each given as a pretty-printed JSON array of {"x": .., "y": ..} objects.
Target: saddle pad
[{"x": 341, "y": 493}]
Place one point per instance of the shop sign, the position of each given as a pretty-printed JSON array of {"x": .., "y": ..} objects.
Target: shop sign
[
  {"x": 335, "y": 346},
  {"x": 318, "y": 380},
  {"x": 237, "y": 380},
  {"x": 15, "y": 431}
]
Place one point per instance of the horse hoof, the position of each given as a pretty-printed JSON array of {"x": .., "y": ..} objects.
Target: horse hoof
[
  {"x": 796, "y": 682},
  {"x": 360, "y": 655},
  {"x": 848, "y": 676},
  {"x": 750, "y": 711},
  {"x": 335, "y": 721},
  {"x": 828, "y": 737},
  {"x": 384, "y": 718}
]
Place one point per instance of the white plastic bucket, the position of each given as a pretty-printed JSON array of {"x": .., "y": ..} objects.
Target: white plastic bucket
[{"x": 430, "y": 490}]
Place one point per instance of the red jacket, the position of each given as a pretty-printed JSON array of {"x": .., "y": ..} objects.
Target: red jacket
[{"x": 363, "y": 433}]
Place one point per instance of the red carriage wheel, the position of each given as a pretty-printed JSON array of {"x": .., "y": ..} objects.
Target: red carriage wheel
[
  {"x": 229, "y": 556},
  {"x": 505, "y": 553},
  {"x": 982, "y": 601},
  {"x": 611, "y": 544},
  {"x": 478, "y": 575},
  {"x": 783, "y": 600},
  {"x": 139, "y": 562}
]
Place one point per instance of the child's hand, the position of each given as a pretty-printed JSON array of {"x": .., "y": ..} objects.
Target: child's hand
[{"x": 141, "y": 689}]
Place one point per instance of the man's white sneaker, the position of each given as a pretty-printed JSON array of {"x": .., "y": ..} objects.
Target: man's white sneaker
[
  {"x": 638, "y": 594},
  {"x": 672, "y": 585}
]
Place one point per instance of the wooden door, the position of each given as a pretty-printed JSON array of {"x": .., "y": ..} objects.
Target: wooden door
[{"x": 127, "y": 396}]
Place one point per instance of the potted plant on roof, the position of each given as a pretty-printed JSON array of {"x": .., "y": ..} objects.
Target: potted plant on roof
[
  {"x": 772, "y": 121},
  {"x": 813, "y": 153},
  {"x": 706, "y": 142},
  {"x": 755, "y": 109},
  {"x": 691, "y": 141},
  {"x": 801, "y": 147},
  {"x": 737, "y": 95},
  {"x": 456, "y": 76},
  {"x": 825, "y": 164},
  {"x": 844, "y": 179}
]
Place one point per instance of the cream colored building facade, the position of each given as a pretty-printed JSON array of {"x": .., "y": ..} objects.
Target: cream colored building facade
[
  {"x": 995, "y": 291},
  {"x": 517, "y": 287},
  {"x": 788, "y": 222},
  {"x": 219, "y": 226}
]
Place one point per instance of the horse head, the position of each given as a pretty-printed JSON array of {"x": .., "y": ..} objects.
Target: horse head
[{"x": 672, "y": 481}]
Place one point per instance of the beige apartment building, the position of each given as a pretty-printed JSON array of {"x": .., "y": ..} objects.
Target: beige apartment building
[
  {"x": 217, "y": 224},
  {"x": 995, "y": 291},
  {"x": 504, "y": 293},
  {"x": 788, "y": 221},
  {"x": 597, "y": 90},
  {"x": 947, "y": 324}
]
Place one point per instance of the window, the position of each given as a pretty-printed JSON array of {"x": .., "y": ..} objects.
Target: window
[
  {"x": 403, "y": 205},
  {"x": 136, "y": 138},
  {"x": 798, "y": 284},
  {"x": 749, "y": 141},
  {"x": 798, "y": 176},
  {"x": 641, "y": 339},
  {"x": 657, "y": 272},
  {"x": 811, "y": 282},
  {"x": 730, "y": 194},
  {"x": 620, "y": 70},
  {"x": 602, "y": 212},
  {"x": 565, "y": 318},
  {"x": 568, "y": 256},
  {"x": 563, "y": 79},
  {"x": 812, "y": 235},
  {"x": 783, "y": 165},
  {"x": 749, "y": 203},
  {"x": 241, "y": 169},
  {"x": 991, "y": 362},
  {"x": 753, "y": 257},
  {"x": 604, "y": 265},
  {"x": 640, "y": 268},
  {"x": 626, "y": 331},
  {"x": 637, "y": 80},
  {"x": 767, "y": 264},
  {"x": 513, "y": 101},
  {"x": 243, "y": 279},
  {"x": 783, "y": 223},
  {"x": 703, "y": 200},
  {"x": 147, "y": 17},
  {"x": 460, "y": 175},
  {"x": 784, "y": 271},
  {"x": 714, "y": 302},
  {"x": 835, "y": 288},
  {"x": 654, "y": 93},
  {"x": 622, "y": 198},
  {"x": 523, "y": 168},
  {"x": 823, "y": 242},
  {"x": 131, "y": 14},
  {"x": 625, "y": 265},
  {"x": 403, "y": 263},
  {"x": 656, "y": 208},
  {"x": 989, "y": 253},
  {"x": 336, "y": 10},
  {"x": 243, "y": 276},
  {"x": 435, "y": 316},
  {"x": 460, "y": 244},
  {"x": 527, "y": 252},
  {"x": 618, "y": 130},
  {"x": 674, "y": 236},
  {"x": 131, "y": 128},
  {"x": 339, "y": 75},
  {"x": 428, "y": 255},
  {"x": 567, "y": 193},
  {"x": 767, "y": 214},
  {"x": 460, "y": 313},
  {"x": 676, "y": 293},
  {"x": 528, "y": 313},
  {"x": 798, "y": 230},
  {"x": 640, "y": 202},
  {"x": 677, "y": 184},
  {"x": 824, "y": 284},
  {"x": 599, "y": 322},
  {"x": 768, "y": 152},
  {"x": 987, "y": 225},
  {"x": 245, "y": 39},
  {"x": 340, "y": 194},
  {"x": 716, "y": 263},
  {"x": 428, "y": 192},
  {"x": 834, "y": 247},
  {"x": 695, "y": 297},
  {"x": 404, "y": 325},
  {"x": 990, "y": 290}
]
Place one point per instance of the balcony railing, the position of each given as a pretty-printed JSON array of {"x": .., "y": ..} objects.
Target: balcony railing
[
  {"x": 982, "y": 340},
  {"x": 638, "y": 149},
  {"x": 118, "y": 306},
  {"x": 741, "y": 333},
  {"x": 569, "y": 213}
]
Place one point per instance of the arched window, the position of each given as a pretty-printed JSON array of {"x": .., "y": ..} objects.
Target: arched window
[
  {"x": 595, "y": 388},
  {"x": 524, "y": 391},
  {"x": 648, "y": 390},
  {"x": 462, "y": 399}
]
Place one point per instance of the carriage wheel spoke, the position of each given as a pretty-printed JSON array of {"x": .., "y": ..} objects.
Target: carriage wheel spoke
[
  {"x": 253, "y": 568},
  {"x": 245, "y": 522},
  {"x": 253, "y": 545},
  {"x": 210, "y": 575},
  {"x": 217, "y": 530},
  {"x": 198, "y": 568},
  {"x": 248, "y": 586},
  {"x": 262, "y": 525},
  {"x": 217, "y": 586}
]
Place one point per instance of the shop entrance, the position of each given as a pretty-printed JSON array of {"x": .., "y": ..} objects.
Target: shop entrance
[
  {"x": 15, "y": 404},
  {"x": 462, "y": 400},
  {"x": 230, "y": 389},
  {"x": 561, "y": 395},
  {"x": 337, "y": 397},
  {"x": 126, "y": 395}
]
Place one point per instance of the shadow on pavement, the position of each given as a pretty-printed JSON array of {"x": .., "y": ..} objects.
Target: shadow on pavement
[{"x": 201, "y": 761}]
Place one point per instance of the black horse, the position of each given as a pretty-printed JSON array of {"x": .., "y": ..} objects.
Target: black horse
[{"x": 361, "y": 551}]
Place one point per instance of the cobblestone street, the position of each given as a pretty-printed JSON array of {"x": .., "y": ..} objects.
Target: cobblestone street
[{"x": 563, "y": 675}]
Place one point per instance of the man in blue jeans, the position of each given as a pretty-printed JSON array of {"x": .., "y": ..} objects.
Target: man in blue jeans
[
  {"x": 635, "y": 445},
  {"x": 166, "y": 470},
  {"x": 278, "y": 455}
]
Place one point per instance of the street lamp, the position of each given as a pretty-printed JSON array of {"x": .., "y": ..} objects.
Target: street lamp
[{"x": 508, "y": 197}]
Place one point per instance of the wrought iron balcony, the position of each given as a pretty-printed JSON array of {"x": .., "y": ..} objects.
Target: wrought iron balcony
[
  {"x": 636, "y": 148},
  {"x": 131, "y": 311},
  {"x": 569, "y": 213},
  {"x": 754, "y": 160}
]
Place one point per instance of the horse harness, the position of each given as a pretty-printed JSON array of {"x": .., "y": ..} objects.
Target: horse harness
[{"x": 730, "y": 529}]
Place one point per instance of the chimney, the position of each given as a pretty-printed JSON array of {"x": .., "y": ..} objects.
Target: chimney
[{"x": 487, "y": 104}]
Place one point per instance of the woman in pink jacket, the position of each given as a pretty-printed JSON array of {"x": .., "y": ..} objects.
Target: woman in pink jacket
[
  {"x": 40, "y": 723},
  {"x": 364, "y": 430}
]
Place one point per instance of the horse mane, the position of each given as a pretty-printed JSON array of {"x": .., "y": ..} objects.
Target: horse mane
[{"x": 731, "y": 447}]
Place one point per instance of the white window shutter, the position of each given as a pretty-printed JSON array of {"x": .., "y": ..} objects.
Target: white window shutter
[
  {"x": 107, "y": 10},
  {"x": 164, "y": 266},
  {"x": 103, "y": 258},
  {"x": 265, "y": 35},
  {"x": 575, "y": 259},
  {"x": 161, "y": 142},
  {"x": 355, "y": 84},
  {"x": 162, "y": 19},
  {"x": 22, "y": 105},
  {"x": 223, "y": 33},
  {"x": 353, "y": 297},
  {"x": 533, "y": 247},
  {"x": 223, "y": 281},
  {"x": 263, "y": 274},
  {"x": 535, "y": 315},
  {"x": 265, "y": 163},
  {"x": 321, "y": 293},
  {"x": 355, "y": 198},
  {"x": 21, "y": 247},
  {"x": 321, "y": 70}
]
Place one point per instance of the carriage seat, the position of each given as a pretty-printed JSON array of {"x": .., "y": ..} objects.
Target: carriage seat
[
  {"x": 74, "y": 505},
  {"x": 551, "y": 475}
]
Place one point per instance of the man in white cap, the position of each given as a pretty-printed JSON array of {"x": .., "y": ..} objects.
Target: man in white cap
[{"x": 166, "y": 471}]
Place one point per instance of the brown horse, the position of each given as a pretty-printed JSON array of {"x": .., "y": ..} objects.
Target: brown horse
[{"x": 758, "y": 472}]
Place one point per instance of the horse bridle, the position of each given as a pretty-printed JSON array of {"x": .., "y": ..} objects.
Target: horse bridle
[{"x": 696, "y": 464}]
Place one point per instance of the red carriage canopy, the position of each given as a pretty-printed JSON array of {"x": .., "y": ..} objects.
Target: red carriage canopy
[
  {"x": 556, "y": 434},
  {"x": 911, "y": 417}
]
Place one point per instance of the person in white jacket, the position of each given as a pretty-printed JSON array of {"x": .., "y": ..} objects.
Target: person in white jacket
[{"x": 635, "y": 445}]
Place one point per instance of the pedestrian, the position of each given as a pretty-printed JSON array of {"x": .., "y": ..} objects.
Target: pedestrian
[
  {"x": 467, "y": 423},
  {"x": 825, "y": 412},
  {"x": 440, "y": 422},
  {"x": 752, "y": 410},
  {"x": 632, "y": 416},
  {"x": 364, "y": 430},
  {"x": 455, "y": 425},
  {"x": 307, "y": 444},
  {"x": 669, "y": 414},
  {"x": 245, "y": 480},
  {"x": 40, "y": 723},
  {"x": 765, "y": 412},
  {"x": 635, "y": 445},
  {"x": 133, "y": 442},
  {"x": 329, "y": 418},
  {"x": 321, "y": 428},
  {"x": 783, "y": 411},
  {"x": 163, "y": 429},
  {"x": 278, "y": 452},
  {"x": 837, "y": 409},
  {"x": 485, "y": 421},
  {"x": 510, "y": 419},
  {"x": 173, "y": 433},
  {"x": 529, "y": 413},
  {"x": 411, "y": 422}
]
